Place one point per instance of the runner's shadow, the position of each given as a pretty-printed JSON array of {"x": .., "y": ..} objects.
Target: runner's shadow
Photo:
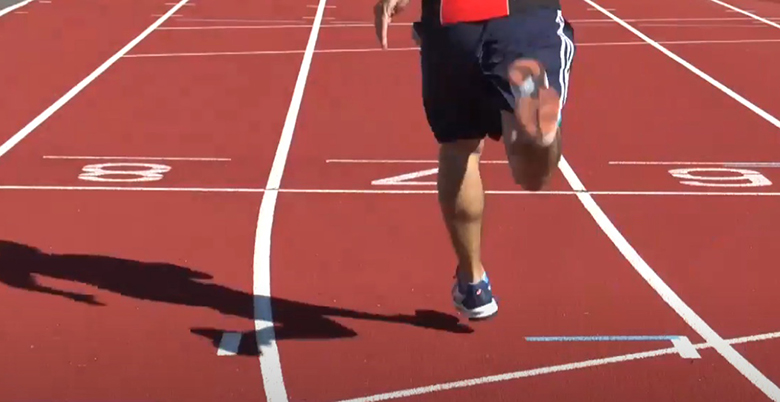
[{"x": 168, "y": 283}]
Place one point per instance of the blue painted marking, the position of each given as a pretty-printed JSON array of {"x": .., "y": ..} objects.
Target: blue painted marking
[{"x": 600, "y": 338}]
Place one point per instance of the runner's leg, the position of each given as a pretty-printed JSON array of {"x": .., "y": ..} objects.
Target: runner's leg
[
  {"x": 533, "y": 76},
  {"x": 453, "y": 96}
]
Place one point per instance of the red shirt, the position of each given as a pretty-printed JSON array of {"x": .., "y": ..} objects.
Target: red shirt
[{"x": 453, "y": 11}]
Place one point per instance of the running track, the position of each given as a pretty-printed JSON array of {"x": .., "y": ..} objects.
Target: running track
[{"x": 251, "y": 258}]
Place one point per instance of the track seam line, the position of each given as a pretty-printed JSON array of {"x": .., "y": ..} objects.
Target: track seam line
[
  {"x": 14, "y": 7},
  {"x": 270, "y": 363},
  {"x": 747, "y": 13},
  {"x": 38, "y": 120},
  {"x": 728, "y": 352}
]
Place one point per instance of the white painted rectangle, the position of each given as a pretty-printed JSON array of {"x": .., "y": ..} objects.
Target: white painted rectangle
[{"x": 228, "y": 346}]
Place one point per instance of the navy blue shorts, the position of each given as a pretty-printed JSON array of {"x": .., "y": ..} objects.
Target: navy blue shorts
[{"x": 464, "y": 67}]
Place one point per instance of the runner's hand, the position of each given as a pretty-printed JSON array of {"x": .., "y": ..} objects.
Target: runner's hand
[{"x": 384, "y": 11}]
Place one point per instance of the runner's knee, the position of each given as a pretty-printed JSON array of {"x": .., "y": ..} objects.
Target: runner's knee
[{"x": 457, "y": 160}]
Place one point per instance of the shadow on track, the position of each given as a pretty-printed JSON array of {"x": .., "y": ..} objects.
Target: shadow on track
[{"x": 167, "y": 283}]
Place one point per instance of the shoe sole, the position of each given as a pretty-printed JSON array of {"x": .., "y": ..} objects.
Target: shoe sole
[
  {"x": 536, "y": 112},
  {"x": 480, "y": 313}
]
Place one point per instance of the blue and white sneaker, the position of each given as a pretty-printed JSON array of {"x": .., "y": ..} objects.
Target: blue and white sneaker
[{"x": 474, "y": 300}]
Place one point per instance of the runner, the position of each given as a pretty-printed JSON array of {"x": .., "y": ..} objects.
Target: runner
[{"x": 494, "y": 69}]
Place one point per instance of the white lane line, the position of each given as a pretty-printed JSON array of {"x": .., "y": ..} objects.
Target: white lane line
[
  {"x": 742, "y": 365},
  {"x": 748, "y": 13},
  {"x": 690, "y": 163},
  {"x": 134, "y": 188},
  {"x": 381, "y": 191},
  {"x": 357, "y": 24},
  {"x": 270, "y": 364},
  {"x": 548, "y": 370},
  {"x": 504, "y": 162},
  {"x": 37, "y": 121},
  {"x": 228, "y": 345},
  {"x": 382, "y": 161},
  {"x": 405, "y": 179},
  {"x": 137, "y": 158},
  {"x": 678, "y": 25},
  {"x": 302, "y": 23},
  {"x": 406, "y": 49},
  {"x": 701, "y": 74},
  {"x": 14, "y": 7},
  {"x": 685, "y": 348}
]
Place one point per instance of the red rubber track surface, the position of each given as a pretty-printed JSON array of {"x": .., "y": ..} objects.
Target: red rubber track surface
[
  {"x": 125, "y": 293},
  {"x": 48, "y": 47}
]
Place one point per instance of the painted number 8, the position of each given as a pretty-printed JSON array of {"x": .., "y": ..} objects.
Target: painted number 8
[{"x": 124, "y": 172}]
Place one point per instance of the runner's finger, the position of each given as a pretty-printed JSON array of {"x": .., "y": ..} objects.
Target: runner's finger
[
  {"x": 379, "y": 11},
  {"x": 385, "y": 24}
]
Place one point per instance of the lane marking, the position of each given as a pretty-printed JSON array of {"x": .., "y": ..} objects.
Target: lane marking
[
  {"x": 270, "y": 365},
  {"x": 340, "y": 24},
  {"x": 748, "y": 13},
  {"x": 220, "y": 27},
  {"x": 401, "y": 49},
  {"x": 135, "y": 188},
  {"x": 503, "y": 162},
  {"x": 38, "y": 120},
  {"x": 367, "y": 24},
  {"x": 228, "y": 345},
  {"x": 406, "y": 179},
  {"x": 380, "y": 191},
  {"x": 743, "y": 178},
  {"x": 681, "y": 343},
  {"x": 126, "y": 172},
  {"x": 685, "y": 348},
  {"x": 13, "y": 7},
  {"x": 700, "y": 163},
  {"x": 397, "y": 161},
  {"x": 547, "y": 192},
  {"x": 671, "y": 25},
  {"x": 742, "y": 365},
  {"x": 701, "y": 74},
  {"x": 548, "y": 370},
  {"x": 241, "y": 20},
  {"x": 138, "y": 158}
]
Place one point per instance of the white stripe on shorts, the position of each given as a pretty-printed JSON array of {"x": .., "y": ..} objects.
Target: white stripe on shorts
[{"x": 567, "y": 56}]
